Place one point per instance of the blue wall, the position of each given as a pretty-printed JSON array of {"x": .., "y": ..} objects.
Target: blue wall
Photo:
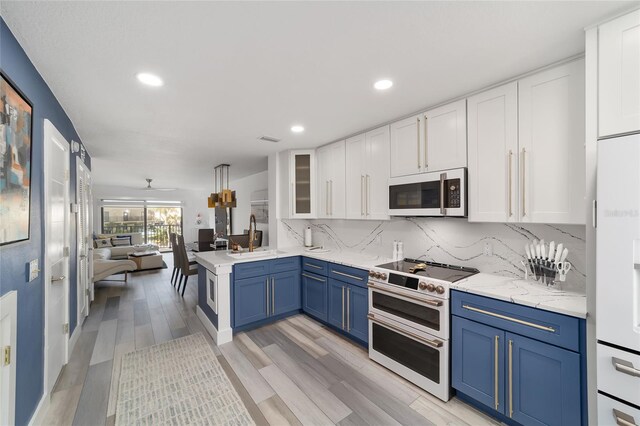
[{"x": 14, "y": 257}]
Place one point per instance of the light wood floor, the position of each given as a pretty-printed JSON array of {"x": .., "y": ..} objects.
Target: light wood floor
[{"x": 294, "y": 372}]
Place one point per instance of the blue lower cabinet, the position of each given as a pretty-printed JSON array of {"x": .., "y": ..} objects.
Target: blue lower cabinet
[
  {"x": 315, "y": 295},
  {"x": 477, "y": 362},
  {"x": 545, "y": 383},
  {"x": 285, "y": 292},
  {"x": 250, "y": 300},
  {"x": 358, "y": 324},
  {"x": 336, "y": 314}
]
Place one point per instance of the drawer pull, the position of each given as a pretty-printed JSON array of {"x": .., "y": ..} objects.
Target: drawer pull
[
  {"x": 516, "y": 320},
  {"x": 313, "y": 278},
  {"x": 347, "y": 275},
  {"x": 625, "y": 367},
  {"x": 623, "y": 419},
  {"x": 433, "y": 343},
  {"x": 313, "y": 266},
  {"x": 417, "y": 299}
]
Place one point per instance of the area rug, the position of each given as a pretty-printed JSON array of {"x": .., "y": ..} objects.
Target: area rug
[{"x": 177, "y": 382}]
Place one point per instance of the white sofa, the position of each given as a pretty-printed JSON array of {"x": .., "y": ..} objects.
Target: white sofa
[
  {"x": 104, "y": 265},
  {"x": 122, "y": 252}
]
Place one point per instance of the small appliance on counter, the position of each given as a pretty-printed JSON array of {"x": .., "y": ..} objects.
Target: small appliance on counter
[{"x": 409, "y": 320}]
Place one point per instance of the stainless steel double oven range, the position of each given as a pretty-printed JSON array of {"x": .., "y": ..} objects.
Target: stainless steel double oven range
[{"x": 409, "y": 320}]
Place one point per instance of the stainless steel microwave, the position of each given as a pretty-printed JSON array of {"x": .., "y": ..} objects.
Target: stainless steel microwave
[{"x": 429, "y": 194}]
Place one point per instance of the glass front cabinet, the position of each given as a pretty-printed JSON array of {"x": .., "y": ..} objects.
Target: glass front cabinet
[{"x": 302, "y": 185}]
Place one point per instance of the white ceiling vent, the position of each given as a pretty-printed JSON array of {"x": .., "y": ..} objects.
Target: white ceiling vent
[{"x": 268, "y": 139}]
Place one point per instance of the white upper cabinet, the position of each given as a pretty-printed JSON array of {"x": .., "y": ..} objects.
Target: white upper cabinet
[
  {"x": 367, "y": 175},
  {"x": 445, "y": 137},
  {"x": 551, "y": 145},
  {"x": 526, "y": 149},
  {"x": 619, "y": 75},
  {"x": 405, "y": 146},
  {"x": 429, "y": 142},
  {"x": 331, "y": 180},
  {"x": 298, "y": 184},
  {"x": 493, "y": 147}
]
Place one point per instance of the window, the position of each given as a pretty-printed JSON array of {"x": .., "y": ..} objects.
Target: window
[{"x": 155, "y": 223}]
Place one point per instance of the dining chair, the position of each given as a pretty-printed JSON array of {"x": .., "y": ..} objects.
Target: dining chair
[
  {"x": 187, "y": 267},
  {"x": 176, "y": 258}
]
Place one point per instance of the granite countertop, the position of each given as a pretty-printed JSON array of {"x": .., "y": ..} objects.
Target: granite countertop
[
  {"x": 528, "y": 293},
  {"x": 217, "y": 259}
]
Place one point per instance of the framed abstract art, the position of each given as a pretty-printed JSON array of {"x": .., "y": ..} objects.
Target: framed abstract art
[{"x": 16, "y": 127}]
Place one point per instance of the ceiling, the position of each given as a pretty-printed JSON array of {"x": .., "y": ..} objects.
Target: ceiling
[{"x": 234, "y": 71}]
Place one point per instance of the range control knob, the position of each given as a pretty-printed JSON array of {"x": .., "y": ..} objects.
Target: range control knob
[
  {"x": 383, "y": 276},
  {"x": 422, "y": 285},
  {"x": 372, "y": 274},
  {"x": 439, "y": 289},
  {"x": 431, "y": 287}
]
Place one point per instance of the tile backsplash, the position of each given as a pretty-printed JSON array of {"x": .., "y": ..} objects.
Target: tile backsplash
[{"x": 445, "y": 240}]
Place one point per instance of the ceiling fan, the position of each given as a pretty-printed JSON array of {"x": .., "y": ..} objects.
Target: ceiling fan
[{"x": 150, "y": 188}]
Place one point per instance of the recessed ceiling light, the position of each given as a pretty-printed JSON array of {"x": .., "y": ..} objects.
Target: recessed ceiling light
[
  {"x": 149, "y": 79},
  {"x": 297, "y": 129},
  {"x": 383, "y": 84}
]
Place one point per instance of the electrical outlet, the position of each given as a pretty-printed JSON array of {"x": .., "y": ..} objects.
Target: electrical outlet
[
  {"x": 34, "y": 270},
  {"x": 488, "y": 249}
]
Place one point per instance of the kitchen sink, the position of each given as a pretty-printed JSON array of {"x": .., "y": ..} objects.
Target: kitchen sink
[{"x": 252, "y": 255}]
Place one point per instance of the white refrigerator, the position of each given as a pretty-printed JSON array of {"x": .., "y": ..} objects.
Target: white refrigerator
[{"x": 618, "y": 281}]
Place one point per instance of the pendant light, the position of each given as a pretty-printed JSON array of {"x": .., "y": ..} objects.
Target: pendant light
[{"x": 223, "y": 196}]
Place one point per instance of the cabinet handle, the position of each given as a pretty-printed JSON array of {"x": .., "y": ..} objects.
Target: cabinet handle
[
  {"x": 313, "y": 266},
  {"x": 510, "y": 378},
  {"x": 326, "y": 201},
  {"x": 313, "y": 278},
  {"x": 266, "y": 286},
  {"x": 342, "y": 325},
  {"x": 625, "y": 367},
  {"x": 361, "y": 195},
  {"x": 426, "y": 144},
  {"x": 433, "y": 343},
  {"x": 624, "y": 419},
  {"x": 516, "y": 320},
  {"x": 293, "y": 210},
  {"x": 495, "y": 368},
  {"x": 367, "y": 206},
  {"x": 418, "y": 142},
  {"x": 347, "y": 275},
  {"x": 443, "y": 210},
  {"x": 331, "y": 199},
  {"x": 524, "y": 186},
  {"x": 273, "y": 295},
  {"x": 510, "y": 184},
  {"x": 348, "y": 309}
]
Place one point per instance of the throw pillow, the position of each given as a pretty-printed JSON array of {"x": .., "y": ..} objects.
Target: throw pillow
[
  {"x": 103, "y": 242},
  {"x": 121, "y": 241}
]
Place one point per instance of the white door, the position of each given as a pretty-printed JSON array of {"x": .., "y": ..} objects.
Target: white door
[
  {"x": 83, "y": 233},
  {"x": 619, "y": 75},
  {"x": 551, "y": 145},
  {"x": 618, "y": 242},
  {"x": 405, "y": 147},
  {"x": 445, "y": 142},
  {"x": 56, "y": 190},
  {"x": 336, "y": 181},
  {"x": 493, "y": 151},
  {"x": 355, "y": 157},
  {"x": 377, "y": 174},
  {"x": 8, "y": 329}
]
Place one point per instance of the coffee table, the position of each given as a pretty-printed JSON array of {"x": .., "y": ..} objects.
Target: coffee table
[{"x": 149, "y": 259}]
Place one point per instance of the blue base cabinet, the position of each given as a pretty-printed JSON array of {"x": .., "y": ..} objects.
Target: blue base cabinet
[
  {"x": 314, "y": 295},
  {"x": 337, "y": 297},
  {"x": 358, "y": 325},
  {"x": 285, "y": 292},
  {"x": 519, "y": 379},
  {"x": 250, "y": 300}
]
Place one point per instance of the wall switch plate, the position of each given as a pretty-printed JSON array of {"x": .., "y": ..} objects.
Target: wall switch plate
[
  {"x": 488, "y": 249},
  {"x": 34, "y": 270}
]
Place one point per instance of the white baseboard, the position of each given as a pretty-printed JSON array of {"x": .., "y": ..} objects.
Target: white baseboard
[
  {"x": 74, "y": 338},
  {"x": 220, "y": 337},
  {"x": 41, "y": 409}
]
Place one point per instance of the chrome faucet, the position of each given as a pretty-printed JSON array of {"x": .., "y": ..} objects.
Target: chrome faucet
[{"x": 252, "y": 231}]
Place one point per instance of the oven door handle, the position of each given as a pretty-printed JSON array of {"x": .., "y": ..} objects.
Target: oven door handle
[
  {"x": 443, "y": 210},
  {"x": 417, "y": 299},
  {"x": 433, "y": 343}
]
